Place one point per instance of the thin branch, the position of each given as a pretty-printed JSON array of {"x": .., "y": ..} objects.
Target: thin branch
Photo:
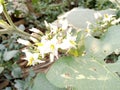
[
  {"x": 12, "y": 30},
  {"x": 8, "y": 17},
  {"x": 11, "y": 26},
  {"x": 5, "y": 31},
  {"x": 4, "y": 24}
]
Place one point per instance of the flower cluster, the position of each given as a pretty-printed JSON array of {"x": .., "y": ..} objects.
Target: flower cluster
[
  {"x": 103, "y": 22},
  {"x": 57, "y": 39}
]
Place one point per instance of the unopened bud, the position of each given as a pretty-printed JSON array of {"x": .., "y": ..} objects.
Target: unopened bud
[{"x": 24, "y": 42}]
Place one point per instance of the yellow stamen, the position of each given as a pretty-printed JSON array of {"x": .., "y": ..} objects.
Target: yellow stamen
[
  {"x": 72, "y": 42},
  {"x": 30, "y": 61},
  {"x": 39, "y": 44},
  {"x": 52, "y": 47},
  {"x": 106, "y": 15}
]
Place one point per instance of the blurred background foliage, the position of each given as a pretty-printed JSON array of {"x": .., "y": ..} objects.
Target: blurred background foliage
[{"x": 34, "y": 12}]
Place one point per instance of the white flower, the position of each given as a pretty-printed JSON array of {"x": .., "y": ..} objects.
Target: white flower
[
  {"x": 34, "y": 39},
  {"x": 97, "y": 15},
  {"x": 53, "y": 28},
  {"x": 64, "y": 24},
  {"x": 49, "y": 47},
  {"x": 32, "y": 58},
  {"x": 1, "y": 8},
  {"x": 46, "y": 24},
  {"x": 42, "y": 49},
  {"x": 115, "y": 21},
  {"x": 43, "y": 46},
  {"x": 88, "y": 30},
  {"x": 108, "y": 18},
  {"x": 24, "y": 42},
  {"x": 68, "y": 42},
  {"x": 53, "y": 46}
]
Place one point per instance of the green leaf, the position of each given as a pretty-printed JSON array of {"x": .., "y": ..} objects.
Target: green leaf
[
  {"x": 100, "y": 48},
  {"x": 80, "y": 42},
  {"x": 1, "y": 69},
  {"x": 19, "y": 84},
  {"x": 83, "y": 73},
  {"x": 2, "y": 47},
  {"x": 41, "y": 83},
  {"x": 114, "y": 67},
  {"x": 16, "y": 72},
  {"x": 29, "y": 80},
  {"x": 9, "y": 54},
  {"x": 90, "y": 72},
  {"x": 80, "y": 45}
]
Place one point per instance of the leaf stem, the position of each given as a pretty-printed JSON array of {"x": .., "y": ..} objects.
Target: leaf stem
[
  {"x": 8, "y": 17},
  {"x": 12, "y": 24}
]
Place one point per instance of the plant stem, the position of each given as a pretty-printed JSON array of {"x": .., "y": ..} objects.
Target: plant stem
[
  {"x": 13, "y": 25},
  {"x": 5, "y": 31},
  {"x": 8, "y": 17}
]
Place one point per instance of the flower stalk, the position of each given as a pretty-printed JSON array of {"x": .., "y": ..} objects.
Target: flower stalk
[{"x": 12, "y": 25}]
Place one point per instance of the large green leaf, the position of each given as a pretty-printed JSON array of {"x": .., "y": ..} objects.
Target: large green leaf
[
  {"x": 83, "y": 74},
  {"x": 100, "y": 48},
  {"x": 87, "y": 72},
  {"x": 41, "y": 83},
  {"x": 114, "y": 67}
]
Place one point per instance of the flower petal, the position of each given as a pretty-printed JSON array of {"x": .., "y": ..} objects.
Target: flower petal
[{"x": 1, "y": 8}]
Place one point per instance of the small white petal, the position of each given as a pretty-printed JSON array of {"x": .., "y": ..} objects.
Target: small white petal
[
  {"x": 35, "y": 30},
  {"x": 97, "y": 15},
  {"x": 24, "y": 42},
  {"x": 34, "y": 39},
  {"x": 51, "y": 57},
  {"x": 1, "y": 8},
  {"x": 35, "y": 56},
  {"x": 46, "y": 24}
]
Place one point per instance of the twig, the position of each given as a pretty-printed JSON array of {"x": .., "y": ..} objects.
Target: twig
[
  {"x": 5, "y": 31},
  {"x": 14, "y": 28},
  {"x": 8, "y": 17}
]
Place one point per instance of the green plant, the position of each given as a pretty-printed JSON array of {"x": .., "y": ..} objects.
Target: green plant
[
  {"x": 102, "y": 24},
  {"x": 91, "y": 68},
  {"x": 10, "y": 26},
  {"x": 81, "y": 59},
  {"x": 55, "y": 41}
]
